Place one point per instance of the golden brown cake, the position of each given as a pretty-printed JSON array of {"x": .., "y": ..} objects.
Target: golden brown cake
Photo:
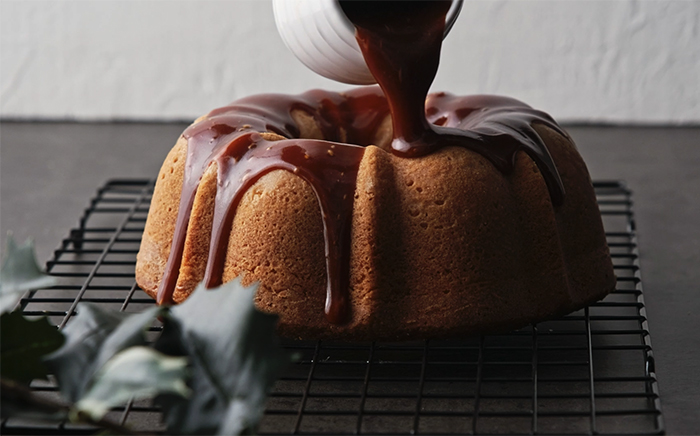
[
  {"x": 453, "y": 242},
  {"x": 377, "y": 214}
]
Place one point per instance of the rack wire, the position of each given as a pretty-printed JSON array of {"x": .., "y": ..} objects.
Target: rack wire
[{"x": 590, "y": 372}]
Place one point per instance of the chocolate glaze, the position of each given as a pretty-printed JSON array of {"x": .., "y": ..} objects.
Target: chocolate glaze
[
  {"x": 401, "y": 44},
  {"x": 230, "y": 137}
]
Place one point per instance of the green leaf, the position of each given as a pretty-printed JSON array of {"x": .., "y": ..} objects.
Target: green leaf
[
  {"x": 94, "y": 336},
  {"x": 137, "y": 372},
  {"x": 20, "y": 273},
  {"x": 235, "y": 357},
  {"x": 23, "y": 343}
]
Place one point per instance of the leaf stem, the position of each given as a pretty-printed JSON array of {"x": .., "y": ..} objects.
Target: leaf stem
[{"x": 17, "y": 393}]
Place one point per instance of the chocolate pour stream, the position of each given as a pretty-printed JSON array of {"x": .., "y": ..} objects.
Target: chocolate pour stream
[{"x": 401, "y": 44}]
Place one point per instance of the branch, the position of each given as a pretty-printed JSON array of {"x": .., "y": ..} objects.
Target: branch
[{"x": 19, "y": 394}]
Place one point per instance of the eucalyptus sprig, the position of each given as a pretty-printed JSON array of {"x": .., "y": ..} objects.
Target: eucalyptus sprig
[{"x": 210, "y": 369}]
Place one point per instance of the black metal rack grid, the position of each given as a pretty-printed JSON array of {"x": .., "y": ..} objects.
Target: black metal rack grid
[{"x": 590, "y": 372}]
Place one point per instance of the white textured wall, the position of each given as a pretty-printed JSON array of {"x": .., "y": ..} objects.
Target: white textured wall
[{"x": 613, "y": 61}]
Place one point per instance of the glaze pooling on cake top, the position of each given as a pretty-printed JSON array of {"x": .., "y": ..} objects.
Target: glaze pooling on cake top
[{"x": 495, "y": 127}]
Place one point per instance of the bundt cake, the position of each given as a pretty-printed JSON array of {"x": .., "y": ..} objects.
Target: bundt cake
[
  {"x": 378, "y": 214},
  {"x": 438, "y": 245}
]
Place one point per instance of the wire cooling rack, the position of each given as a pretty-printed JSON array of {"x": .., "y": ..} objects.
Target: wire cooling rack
[{"x": 590, "y": 372}]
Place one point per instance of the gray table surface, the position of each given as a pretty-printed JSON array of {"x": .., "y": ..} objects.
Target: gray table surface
[{"x": 49, "y": 171}]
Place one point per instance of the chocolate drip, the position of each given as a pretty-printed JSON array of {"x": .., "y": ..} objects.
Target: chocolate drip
[
  {"x": 230, "y": 137},
  {"x": 401, "y": 44},
  {"x": 330, "y": 170}
]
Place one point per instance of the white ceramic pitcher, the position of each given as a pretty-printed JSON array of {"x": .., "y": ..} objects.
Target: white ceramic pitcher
[{"x": 322, "y": 37}]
